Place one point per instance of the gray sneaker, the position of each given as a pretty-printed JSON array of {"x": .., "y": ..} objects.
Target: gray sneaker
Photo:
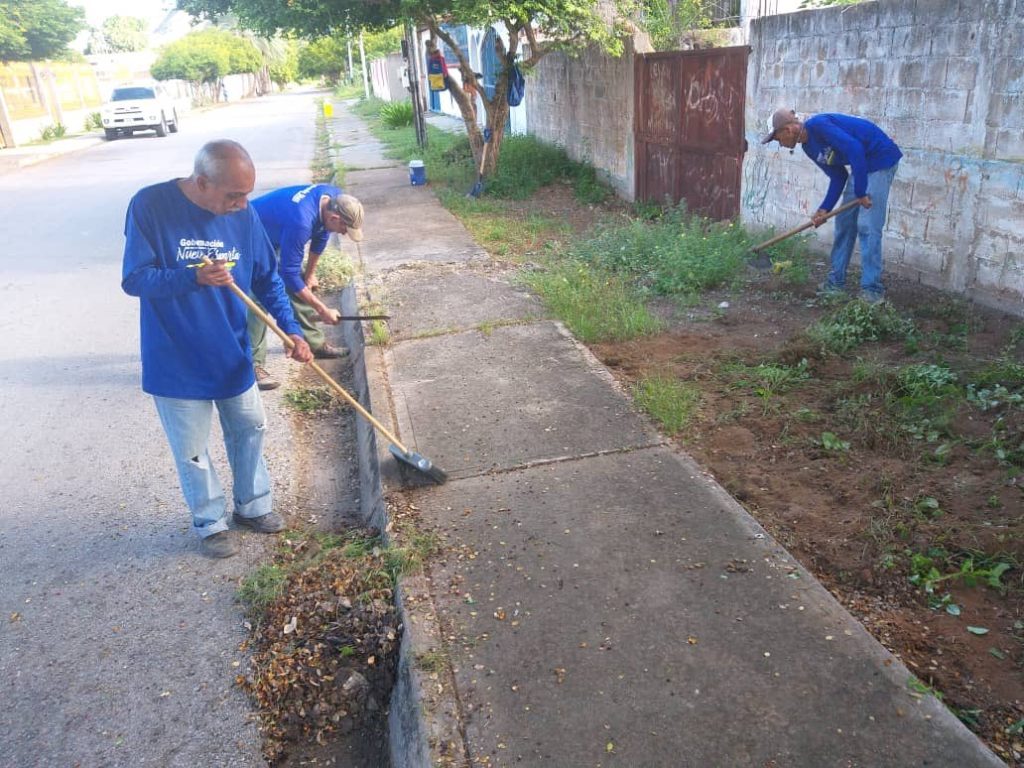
[
  {"x": 268, "y": 523},
  {"x": 871, "y": 297},
  {"x": 221, "y": 544},
  {"x": 264, "y": 380}
]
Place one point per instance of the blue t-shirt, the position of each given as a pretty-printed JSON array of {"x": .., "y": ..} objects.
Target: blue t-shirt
[
  {"x": 195, "y": 345},
  {"x": 291, "y": 216},
  {"x": 835, "y": 141}
]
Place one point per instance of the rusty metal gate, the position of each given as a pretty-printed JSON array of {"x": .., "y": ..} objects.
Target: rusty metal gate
[{"x": 689, "y": 128}]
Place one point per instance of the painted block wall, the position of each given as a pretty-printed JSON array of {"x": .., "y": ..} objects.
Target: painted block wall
[
  {"x": 585, "y": 104},
  {"x": 945, "y": 79}
]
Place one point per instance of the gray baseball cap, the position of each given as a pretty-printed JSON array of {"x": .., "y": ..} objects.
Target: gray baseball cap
[{"x": 780, "y": 117}]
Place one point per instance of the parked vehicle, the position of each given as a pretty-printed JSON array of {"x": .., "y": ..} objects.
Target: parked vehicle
[{"x": 138, "y": 108}]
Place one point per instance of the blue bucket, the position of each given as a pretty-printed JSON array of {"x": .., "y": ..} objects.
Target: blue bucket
[{"x": 417, "y": 173}]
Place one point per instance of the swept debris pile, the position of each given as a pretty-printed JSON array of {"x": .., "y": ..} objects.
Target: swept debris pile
[{"x": 326, "y": 644}]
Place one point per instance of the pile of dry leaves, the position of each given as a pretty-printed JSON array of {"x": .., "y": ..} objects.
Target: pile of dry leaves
[{"x": 325, "y": 649}]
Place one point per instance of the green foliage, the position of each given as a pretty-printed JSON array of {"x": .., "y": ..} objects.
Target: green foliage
[
  {"x": 926, "y": 570},
  {"x": 325, "y": 57},
  {"x": 856, "y": 323},
  {"x": 53, "y": 132},
  {"x": 668, "y": 22},
  {"x": 260, "y": 588},
  {"x": 679, "y": 254},
  {"x": 206, "y": 56},
  {"x": 37, "y": 29},
  {"x": 283, "y": 65},
  {"x": 93, "y": 121},
  {"x": 672, "y": 403},
  {"x": 310, "y": 400},
  {"x": 396, "y": 114},
  {"x": 124, "y": 33},
  {"x": 926, "y": 380},
  {"x": 833, "y": 444},
  {"x": 595, "y": 305}
]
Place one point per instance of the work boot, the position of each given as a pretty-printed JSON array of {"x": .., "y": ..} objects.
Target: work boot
[
  {"x": 329, "y": 352},
  {"x": 264, "y": 380},
  {"x": 268, "y": 523},
  {"x": 219, "y": 545}
]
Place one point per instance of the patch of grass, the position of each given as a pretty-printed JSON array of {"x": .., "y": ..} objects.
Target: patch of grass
[
  {"x": 53, "y": 132},
  {"x": 310, "y": 400},
  {"x": 670, "y": 402},
  {"x": 334, "y": 270},
  {"x": 596, "y": 306},
  {"x": 261, "y": 587},
  {"x": 676, "y": 255},
  {"x": 504, "y": 233},
  {"x": 93, "y": 122},
  {"x": 380, "y": 334},
  {"x": 856, "y": 323},
  {"x": 396, "y": 114}
]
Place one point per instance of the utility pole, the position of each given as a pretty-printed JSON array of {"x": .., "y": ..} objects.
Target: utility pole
[
  {"x": 418, "y": 120},
  {"x": 362, "y": 58}
]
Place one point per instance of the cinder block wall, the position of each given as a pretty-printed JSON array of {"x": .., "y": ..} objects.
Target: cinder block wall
[
  {"x": 945, "y": 79},
  {"x": 586, "y": 105}
]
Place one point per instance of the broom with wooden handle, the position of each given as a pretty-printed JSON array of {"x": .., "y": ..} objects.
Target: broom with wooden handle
[{"x": 416, "y": 461}]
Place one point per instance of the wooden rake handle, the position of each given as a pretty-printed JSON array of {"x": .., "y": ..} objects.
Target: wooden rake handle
[
  {"x": 338, "y": 389},
  {"x": 802, "y": 227}
]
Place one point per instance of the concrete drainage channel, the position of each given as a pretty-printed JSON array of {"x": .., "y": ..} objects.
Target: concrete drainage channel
[{"x": 408, "y": 740}]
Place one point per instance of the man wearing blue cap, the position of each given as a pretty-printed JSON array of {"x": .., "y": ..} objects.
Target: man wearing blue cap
[{"x": 833, "y": 142}]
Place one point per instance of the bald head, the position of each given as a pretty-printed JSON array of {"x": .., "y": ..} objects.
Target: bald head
[{"x": 223, "y": 175}]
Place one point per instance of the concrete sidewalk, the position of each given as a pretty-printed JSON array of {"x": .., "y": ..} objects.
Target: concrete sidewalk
[
  {"x": 601, "y": 601},
  {"x": 13, "y": 158}
]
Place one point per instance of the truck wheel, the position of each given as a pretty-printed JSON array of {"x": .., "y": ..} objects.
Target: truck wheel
[
  {"x": 110, "y": 133},
  {"x": 161, "y": 129},
  {"x": 174, "y": 126}
]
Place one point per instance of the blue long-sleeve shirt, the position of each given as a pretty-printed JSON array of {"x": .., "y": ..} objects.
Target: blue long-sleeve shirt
[
  {"x": 291, "y": 216},
  {"x": 195, "y": 344},
  {"x": 835, "y": 141}
]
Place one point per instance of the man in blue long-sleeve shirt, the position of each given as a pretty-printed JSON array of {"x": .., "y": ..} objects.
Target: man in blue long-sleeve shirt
[
  {"x": 186, "y": 240},
  {"x": 294, "y": 217},
  {"x": 833, "y": 142}
]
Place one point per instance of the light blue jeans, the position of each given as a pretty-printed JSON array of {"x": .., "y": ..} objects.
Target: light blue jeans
[
  {"x": 187, "y": 426},
  {"x": 867, "y": 225}
]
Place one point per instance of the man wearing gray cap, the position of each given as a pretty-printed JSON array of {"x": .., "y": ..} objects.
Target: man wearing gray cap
[
  {"x": 293, "y": 218},
  {"x": 834, "y": 141}
]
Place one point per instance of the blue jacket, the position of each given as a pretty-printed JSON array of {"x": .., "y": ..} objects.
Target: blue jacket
[
  {"x": 835, "y": 141},
  {"x": 195, "y": 345},
  {"x": 291, "y": 216}
]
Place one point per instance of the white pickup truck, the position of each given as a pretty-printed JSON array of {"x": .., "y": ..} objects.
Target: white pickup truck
[{"x": 138, "y": 108}]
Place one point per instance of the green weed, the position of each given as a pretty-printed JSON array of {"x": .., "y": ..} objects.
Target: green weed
[
  {"x": 380, "y": 334},
  {"x": 334, "y": 270},
  {"x": 670, "y": 402},
  {"x": 856, "y": 323},
  {"x": 260, "y": 588},
  {"x": 396, "y": 114},
  {"x": 677, "y": 254},
  {"x": 310, "y": 400},
  {"x": 93, "y": 122},
  {"x": 595, "y": 306}
]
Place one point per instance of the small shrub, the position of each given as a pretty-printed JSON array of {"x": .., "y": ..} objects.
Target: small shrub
[
  {"x": 396, "y": 114},
  {"x": 856, "y": 323},
  {"x": 54, "y": 132},
  {"x": 93, "y": 122}
]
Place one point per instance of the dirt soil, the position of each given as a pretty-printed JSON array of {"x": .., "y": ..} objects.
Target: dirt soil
[
  {"x": 856, "y": 516},
  {"x": 856, "y": 513}
]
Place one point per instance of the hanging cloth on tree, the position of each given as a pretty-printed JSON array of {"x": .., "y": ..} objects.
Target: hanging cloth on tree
[
  {"x": 437, "y": 72},
  {"x": 516, "y": 86}
]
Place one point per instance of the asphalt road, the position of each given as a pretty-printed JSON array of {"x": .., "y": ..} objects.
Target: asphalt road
[{"x": 118, "y": 639}]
